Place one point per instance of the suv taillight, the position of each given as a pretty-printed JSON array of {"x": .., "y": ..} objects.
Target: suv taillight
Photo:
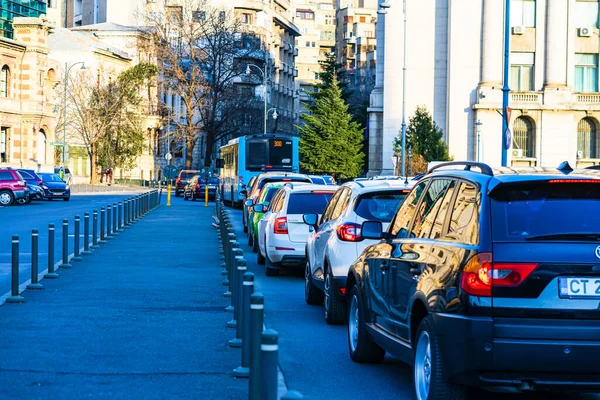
[
  {"x": 197, "y": 186},
  {"x": 280, "y": 227},
  {"x": 21, "y": 183},
  {"x": 481, "y": 274},
  {"x": 349, "y": 232},
  {"x": 39, "y": 182}
]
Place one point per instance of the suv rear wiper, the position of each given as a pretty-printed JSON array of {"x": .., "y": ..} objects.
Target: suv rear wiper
[{"x": 568, "y": 236}]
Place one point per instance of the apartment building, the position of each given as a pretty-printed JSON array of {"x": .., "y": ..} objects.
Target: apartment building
[
  {"x": 11, "y": 9},
  {"x": 356, "y": 19},
  {"x": 90, "y": 12},
  {"x": 316, "y": 21}
]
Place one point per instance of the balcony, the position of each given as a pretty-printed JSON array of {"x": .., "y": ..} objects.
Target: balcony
[
  {"x": 256, "y": 5},
  {"x": 526, "y": 98},
  {"x": 8, "y": 105},
  {"x": 589, "y": 98}
]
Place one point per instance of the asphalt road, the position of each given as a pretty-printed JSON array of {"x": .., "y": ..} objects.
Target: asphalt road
[
  {"x": 314, "y": 356},
  {"x": 20, "y": 220}
]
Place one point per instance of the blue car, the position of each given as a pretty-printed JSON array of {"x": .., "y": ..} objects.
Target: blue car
[
  {"x": 54, "y": 187},
  {"x": 34, "y": 183}
]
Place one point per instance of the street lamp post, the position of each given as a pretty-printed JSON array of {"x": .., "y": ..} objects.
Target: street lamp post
[
  {"x": 506, "y": 135},
  {"x": 68, "y": 70},
  {"x": 265, "y": 86},
  {"x": 404, "y": 92},
  {"x": 478, "y": 130}
]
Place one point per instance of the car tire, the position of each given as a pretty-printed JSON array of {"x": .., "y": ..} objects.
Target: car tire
[
  {"x": 244, "y": 224},
  {"x": 312, "y": 295},
  {"x": 335, "y": 310},
  {"x": 185, "y": 198},
  {"x": 193, "y": 197},
  {"x": 260, "y": 259},
  {"x": 250, "y": 239},
  {"x": 361, "y": 346},
  {"x": 271, "y": 269},
  {"x": 23, "y": 201},
  {"x": 176, "y": 193},
  {"x": 66, "y": 198},
  {"x": 429, "y": 375},
  {"x": 6, "y": 198},
  {"x": 254, "y": 244}
]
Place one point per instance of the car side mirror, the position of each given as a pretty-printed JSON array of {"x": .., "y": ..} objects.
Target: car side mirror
[
  {"x": 259, "y": 208},
  {"x": 311, "y": 219},
  {"x": 372, "y": 230},
  {"x": 249, "y": 203}
]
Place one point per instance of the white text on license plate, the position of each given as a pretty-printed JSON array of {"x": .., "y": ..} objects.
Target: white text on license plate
[{"x": 579, "y": 287}]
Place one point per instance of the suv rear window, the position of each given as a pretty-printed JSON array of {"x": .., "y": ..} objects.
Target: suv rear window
[
  {"x": 187, "y": 175},
  {"x": 308, "y": 203},
  {"x": 379, "y": 206},
  {"x": 532, "y": 210}
]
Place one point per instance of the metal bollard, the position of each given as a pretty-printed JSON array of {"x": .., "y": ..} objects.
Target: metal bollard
[
  {"x": 229, "y": 259},
  {"x": 86, "y": 234},
  {"x": 243, "y": 371},
  {"x": 269, "y": 353},
  {"x": 237, "y": 301},
  {"x": 126, "y": 213},
  {"x": 114, "y": 220},
  {"x": 95, "y": 230},
  {"x": 34, "y": 285},
  {"x": 231, "y": 270},
  {"x": 76, "y": 256},
  {"x": 238, "y": 256},
  {"x": 51, "y": 274},
  {"x": 102, "y": 223},
  {"x": 257, "y": 306},
  {"x": 14, "y": 290},
  {"x": 65, "y": 245},
  {"x": 120, "y": 216},
  {"x": 109, "y": 222}
]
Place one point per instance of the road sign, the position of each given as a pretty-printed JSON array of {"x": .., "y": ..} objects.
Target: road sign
[
  {"x": 507, "y": 138},
  {"x": 168, "y": 156},
  {"x": 507, "y": 115},
  {"x": 57, "y": 144},
  {"x": 170, "y": 171}
]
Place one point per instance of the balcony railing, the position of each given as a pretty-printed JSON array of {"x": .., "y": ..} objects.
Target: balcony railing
[
  {"x": 526, "y": 97},
  {"x": 593, "y": 98}
]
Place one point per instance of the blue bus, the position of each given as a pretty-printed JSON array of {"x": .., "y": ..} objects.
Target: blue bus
[{"x": 250, "y": 155}]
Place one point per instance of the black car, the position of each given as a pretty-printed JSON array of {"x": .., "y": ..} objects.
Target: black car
[
  {"x": 486, "y": 278},
  {"x": 196, "y": 188},
  {"x": 54, "y": 187},
  {"x": 34, "y": 183}
]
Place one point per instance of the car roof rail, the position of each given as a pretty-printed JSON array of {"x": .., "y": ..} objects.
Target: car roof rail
[{"x": 485, "y": 169}]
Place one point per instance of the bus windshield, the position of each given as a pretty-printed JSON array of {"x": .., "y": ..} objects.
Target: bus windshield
[{"x": 273, "y": 153}]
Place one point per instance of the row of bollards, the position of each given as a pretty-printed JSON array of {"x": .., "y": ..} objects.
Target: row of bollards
[
  {"x": 260, "y": 348},
  {"x": 113, "y": 219}
]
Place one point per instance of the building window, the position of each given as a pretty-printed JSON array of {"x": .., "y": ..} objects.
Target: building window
[
  {"x": 586, "y": 72},
  {"x": 199, "y": 16},
  {"x": 587, "y": 139},
  {"x": 521, "y": 71},
  {"x": 522, "y": 13},
  {"x": 313, "y": 44},
  {"x": 247, "y": 18},
  {"x": 41, "y": 147},
  {"x": 305, "y": 14},
  {"x": 329, "y": 20},
  {"x": 4, "y": 81},
  {"x": 586, "y": 14},
  {"x": 524, "y": 136},
  {"x": 327, "y": 35},
  {"x": 362, "y": 19},
  {"x": 307, "y": 44},
  {"x": 324, "y": 6},
  {"x": 4, "y": 145},
  {"x": 221, "y": 15}
]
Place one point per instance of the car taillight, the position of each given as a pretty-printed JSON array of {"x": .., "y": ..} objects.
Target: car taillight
[
  {"x": 39, "y": 182},
  {"x": 349, "y": 232},
  {"x": 21, "y": 183},
  {"x": 481, "y": 274},
  {"x": 197, "y": 186},
  {"x": 178, "y": 181},
  {"x": 280, "y": 227}
]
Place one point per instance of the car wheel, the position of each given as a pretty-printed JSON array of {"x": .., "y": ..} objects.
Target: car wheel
[
  {"x": 23, "y": 201},
  {"x": 193, "y": 196},
  {"x": 254, "y": 244},
  {"x": 362, "y": 348},
  {"x": 250, "y": 239},
  {"x": 335, "y": 312},
  {"x": 66, "y": 198},
  {"x": 244, "y": 222},
  {"x": 428, "y": 372},
  {"x": 312, "y": 295},
  {"x": 185, "y": 198},
  {"x": 271, "y": 269},
  {"x": 260, "y": 259},
  {"x": 6, "y": 198}
]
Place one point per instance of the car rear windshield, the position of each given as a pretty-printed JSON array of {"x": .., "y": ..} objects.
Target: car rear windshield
[
  {"x": 308, "y": 203},
  {"x": 379, "y": 206},
  {"x": 529, "y": 210},
  {"x": 187, "y": 175},
  {"x": 282, "y": 180}
]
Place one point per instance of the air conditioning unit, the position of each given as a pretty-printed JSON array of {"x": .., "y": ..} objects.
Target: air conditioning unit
[
  {"x": 517, "y": 153},
  {"x": 585, "y": 32},
  {"x": 518, "y": 30}
]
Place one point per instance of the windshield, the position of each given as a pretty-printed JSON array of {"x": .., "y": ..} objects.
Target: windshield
[
  {"x": 187, "y": 175},
  {"x": 266, "y": 197},
  {"x": 50, "y": 178},
  {"x": 526, "y": 209},
  {"x": 317, "y": 181},
  {"x": 379, "y": 206},
  {"x": 308, "y": 203}
]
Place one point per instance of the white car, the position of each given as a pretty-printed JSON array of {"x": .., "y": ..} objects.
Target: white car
[
  {"x": 282, "y": 232},
  {"x": 336, "y": 241}
]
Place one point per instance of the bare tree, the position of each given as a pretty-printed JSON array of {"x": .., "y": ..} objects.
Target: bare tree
[{"x": 199, "y": 47}]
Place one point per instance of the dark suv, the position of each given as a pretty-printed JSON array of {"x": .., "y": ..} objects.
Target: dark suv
[
  {"x": 485, "y": 278},
  {"x": 12, "y": 187},
  {"x": 183, "y": 179}
]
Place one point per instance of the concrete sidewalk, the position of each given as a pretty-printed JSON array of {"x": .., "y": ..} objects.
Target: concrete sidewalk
[{"x": 141, "y": 318}]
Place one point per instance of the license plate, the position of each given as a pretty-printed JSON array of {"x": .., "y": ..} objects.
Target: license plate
[
  {"x": 57, "y": 194},
  {"x": 569, "y": 288}
]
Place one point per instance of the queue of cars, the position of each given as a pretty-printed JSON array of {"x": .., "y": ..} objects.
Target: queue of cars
[
  {"x": 20, "y": 186},
  {"x": 476, "y": 277}
]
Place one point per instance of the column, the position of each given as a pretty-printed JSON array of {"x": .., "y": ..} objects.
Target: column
[
  {"x": 492, "y": 41},
  {"x": 556, "y": 44}
]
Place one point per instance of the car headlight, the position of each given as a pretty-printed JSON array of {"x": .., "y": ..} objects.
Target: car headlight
[
  {"x": 67, "y": 187},
  {"x": 44, "y": 186}
]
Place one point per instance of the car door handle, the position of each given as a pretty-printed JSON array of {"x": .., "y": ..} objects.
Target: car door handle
[{"x": 384, "y": 266}]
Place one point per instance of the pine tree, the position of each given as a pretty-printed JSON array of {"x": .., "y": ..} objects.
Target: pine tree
[
  {"x": 331, "y": 69},
  {"x": 330, "y": 142},
  {"x": 424, "y": 136}
]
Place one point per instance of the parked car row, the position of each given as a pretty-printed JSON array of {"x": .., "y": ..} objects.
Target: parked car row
[
  {"x": 476, "y": 277},
  {"x": 20, "y": 186}
]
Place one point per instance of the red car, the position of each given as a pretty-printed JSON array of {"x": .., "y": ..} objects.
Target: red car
[
  {"x": 183, "y": 179},
  {"x": 12, "y": 187}
]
